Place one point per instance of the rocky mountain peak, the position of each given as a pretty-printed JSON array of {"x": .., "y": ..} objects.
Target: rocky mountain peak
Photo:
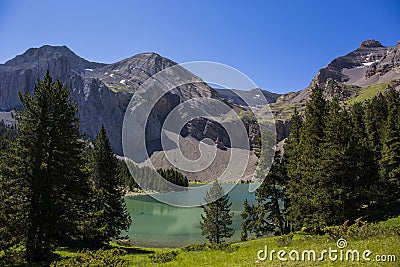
[
  {"x": 47, "y": 53},
  {"x": 359, "y": 66},
  {"x": 149, "y": 63},
  {"x": 371, "y": 43},
  {"x": 344, "y": 76},
  {"x": 32, "y": 54}
]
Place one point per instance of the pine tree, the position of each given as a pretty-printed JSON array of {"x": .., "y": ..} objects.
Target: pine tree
[
  {"x": 334, "y": 179},
  {"x": 292, "y": 154},
  {"x": 376, "y": 113},
  {"x": 361, "y": 168},
  {"x": 125, "y": 176},
  {"x": 305, "y": 191},
  {"x": 292, "y": 146},
  {"x": 217, "y": 216},
  {"x": 271, "y": 199},
  {"x": 13, "y": 208},
  {"x": 251, "y": 220},
  {"x": 49, "y": 153},
  {"x": 12, "y": 197},
  {"x": 110, "y": 216},
  {"x": 174, "y": 177},
  {"x": 269, "y": 214},
  {"x": 8, "y": 134},
  {"x": 389, "y": 184}
]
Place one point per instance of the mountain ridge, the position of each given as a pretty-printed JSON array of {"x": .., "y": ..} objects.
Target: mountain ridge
[{"x": 103, "y": 91}]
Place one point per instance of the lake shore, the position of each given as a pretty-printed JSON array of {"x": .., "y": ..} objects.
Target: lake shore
[{"x": 140, "y": 193}]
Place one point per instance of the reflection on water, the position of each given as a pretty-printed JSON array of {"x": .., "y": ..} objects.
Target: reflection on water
[{"x": 159, "y": 224}]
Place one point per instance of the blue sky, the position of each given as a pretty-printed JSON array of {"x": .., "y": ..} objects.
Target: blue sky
[{"x": 278, "y": 44}]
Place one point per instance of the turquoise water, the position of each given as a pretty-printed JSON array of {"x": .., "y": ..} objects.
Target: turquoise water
[{"x": 157, "y": 224}]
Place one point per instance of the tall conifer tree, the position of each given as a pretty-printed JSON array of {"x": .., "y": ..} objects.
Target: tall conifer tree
[
  {"x": 389, "y": 183},
  {"x": 110, "y": 216},
  {"x": 305, "y": 193},
  {"x": 49, "y": 153},
  {"x": 216, "y": 221}
]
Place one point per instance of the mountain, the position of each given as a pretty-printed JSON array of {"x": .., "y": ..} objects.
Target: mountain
[
  {"x": 97, "y": 104},
  {"x": 20, "y": 73},
  {"x": 103, "y": 91},
  {"x": 347, "y": 76}
]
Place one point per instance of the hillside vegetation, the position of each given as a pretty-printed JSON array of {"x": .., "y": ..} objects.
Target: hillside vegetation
[
  {"x": 381, "y": 239},
  {"x": 369, "y": 92},
  {"x": 287, "y": 103}
]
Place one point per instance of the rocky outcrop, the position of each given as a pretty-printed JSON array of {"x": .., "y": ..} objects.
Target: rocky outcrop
[
  {"x": 343, "y": 77},
  {"x": 387, "y": 66},
  {"x": 282, "y": 129},
  {"x": 371, "y": 43}
]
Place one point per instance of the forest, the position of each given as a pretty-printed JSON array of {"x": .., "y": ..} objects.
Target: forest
[{"x": 341, "y": 164}]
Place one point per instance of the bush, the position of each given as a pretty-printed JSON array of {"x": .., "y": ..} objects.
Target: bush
[
  {"x": 164, "y": 257},
  {"x": 204, "y": 246},
  {"x": 195, "y": 247},
  {"x": 124, "y": 243},
  {"x": 98, "y": 258},
  {"x": 359, "y": 230},
  {"x": 12, "y": 256},
  {"x": 335, "y": 232},
  {"x": 223, "y": 246},
  {"x": 285, "y": 240}
]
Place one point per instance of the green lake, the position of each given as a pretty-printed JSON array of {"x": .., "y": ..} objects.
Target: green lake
[{"x": 156, "y": 224}]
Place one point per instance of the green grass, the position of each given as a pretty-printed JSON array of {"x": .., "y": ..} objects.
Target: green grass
[
  {"x": 284, "y": 110},
  {"x": 369, "y": 92},
  {"x": 393, "y": 222},
  {"x": 245, "y": 253},
  {"x": 116, "y": 88}
]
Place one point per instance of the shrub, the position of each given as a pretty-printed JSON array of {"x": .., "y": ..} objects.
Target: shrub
[
  {"x": 335, "y": 232},
  {"x": 204, "y": 246},
  {"x": 12, "y": 256},
  {"x": 195, "y": 247},
  {"x": 359, "y": 230},
  {"x": 223, "y": 246},
  {"x": 98, "y": 258},
  {"x": 285, "y": 240},
  {"x": 124, "y": 243},
  {"x": 164, "y": 257}
]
